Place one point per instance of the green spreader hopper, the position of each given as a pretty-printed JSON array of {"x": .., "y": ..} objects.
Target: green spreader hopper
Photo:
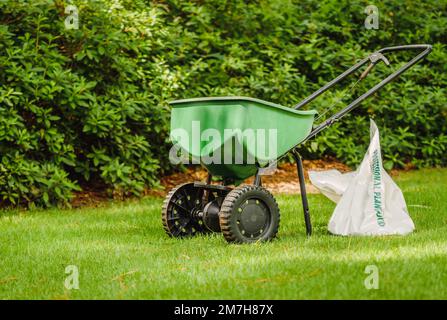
[{"x": 262, "y": 130}]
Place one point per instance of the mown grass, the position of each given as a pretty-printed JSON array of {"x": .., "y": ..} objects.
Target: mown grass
[{"x": 122, "y": 253}]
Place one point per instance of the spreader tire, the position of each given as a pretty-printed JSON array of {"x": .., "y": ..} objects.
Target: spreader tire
[
  {"x": 178, "y": 213},
  {"x": 249, "y": 214}
]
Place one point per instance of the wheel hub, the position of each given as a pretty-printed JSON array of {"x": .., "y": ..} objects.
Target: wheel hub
[{"x": 254, "y": 216}]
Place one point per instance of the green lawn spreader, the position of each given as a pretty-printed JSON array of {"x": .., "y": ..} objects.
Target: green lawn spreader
[{"x": 220, "y": 133}]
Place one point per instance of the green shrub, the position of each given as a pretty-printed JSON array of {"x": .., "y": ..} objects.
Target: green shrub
[
  {"x": 89, "y": 106},
  {"x": 284, "y": 50},
  {"x": 80, "y": 106}
]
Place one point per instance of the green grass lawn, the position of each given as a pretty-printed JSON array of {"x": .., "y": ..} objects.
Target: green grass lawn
[{"x": 122, "y": 253}]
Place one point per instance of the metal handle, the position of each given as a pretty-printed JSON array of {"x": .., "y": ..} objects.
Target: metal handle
[{"x": 371, "y": 91}]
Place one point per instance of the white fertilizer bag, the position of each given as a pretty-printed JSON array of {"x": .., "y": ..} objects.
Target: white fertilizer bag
[{"x": 368, "y": 200}]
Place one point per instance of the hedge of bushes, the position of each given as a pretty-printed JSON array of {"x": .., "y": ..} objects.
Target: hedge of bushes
[{"x": 88, "y": 106}]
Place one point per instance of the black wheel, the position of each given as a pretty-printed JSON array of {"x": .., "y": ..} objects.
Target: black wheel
[
  {"x": 180, "y": 211},
  {"x": 249, "y": 214}
]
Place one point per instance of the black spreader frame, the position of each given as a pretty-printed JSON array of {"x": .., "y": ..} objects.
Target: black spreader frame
[{"x": 372, "y": 59}]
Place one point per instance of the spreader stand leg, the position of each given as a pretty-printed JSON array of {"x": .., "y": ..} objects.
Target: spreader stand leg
[
  {"x": 258, "y": 181},
  {"x": 300, "y": 170}
]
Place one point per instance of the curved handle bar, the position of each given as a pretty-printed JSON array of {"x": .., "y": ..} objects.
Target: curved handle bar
[
  {"x": 371, "y": 91},
  {"x": 408, "y": 47}
]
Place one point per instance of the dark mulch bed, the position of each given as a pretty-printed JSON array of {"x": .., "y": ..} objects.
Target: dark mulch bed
[{"x": 283, "y": 180}]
